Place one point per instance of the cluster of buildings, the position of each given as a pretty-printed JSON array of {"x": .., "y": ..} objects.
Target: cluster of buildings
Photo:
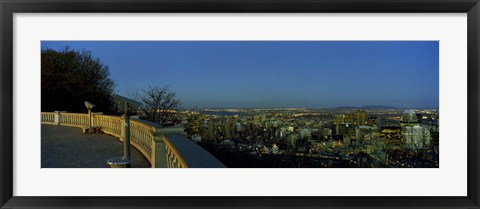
[{"x": 382, "y": 137}]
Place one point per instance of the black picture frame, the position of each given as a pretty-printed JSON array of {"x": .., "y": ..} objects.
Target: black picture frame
[{"x": 10, "y": 7}]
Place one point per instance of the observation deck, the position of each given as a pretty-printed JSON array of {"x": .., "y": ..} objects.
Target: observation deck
[{"x": 160, "y": 147}]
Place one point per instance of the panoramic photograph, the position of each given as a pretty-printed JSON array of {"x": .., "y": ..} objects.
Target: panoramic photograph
[{"x": 240, "y": 104}]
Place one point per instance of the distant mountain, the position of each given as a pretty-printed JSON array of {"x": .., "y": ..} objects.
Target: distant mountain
[
  {"x": 377, "y": 107},
  {"x": 347, "y": 107},
  {"x": 368, "y": 107}
]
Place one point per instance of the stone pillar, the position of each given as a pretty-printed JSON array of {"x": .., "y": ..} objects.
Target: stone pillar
[
  {"x": 58, "y": 117},
  {"x": 159, "y": 151}
]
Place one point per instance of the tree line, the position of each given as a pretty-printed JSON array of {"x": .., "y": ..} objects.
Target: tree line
[{"x": 70, "y": 77}]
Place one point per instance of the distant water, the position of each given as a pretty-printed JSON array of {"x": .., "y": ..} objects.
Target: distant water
[{"x": 222, "y": 113}]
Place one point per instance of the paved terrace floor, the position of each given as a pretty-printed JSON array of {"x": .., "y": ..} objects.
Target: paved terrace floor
[{"x": 68, "y": 147}]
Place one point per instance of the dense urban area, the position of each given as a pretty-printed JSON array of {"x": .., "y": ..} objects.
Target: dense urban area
[{"x": 339, "y": 138}]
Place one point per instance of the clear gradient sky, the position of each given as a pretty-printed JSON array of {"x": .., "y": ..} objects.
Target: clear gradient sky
[{"x": 275, "y": 74}]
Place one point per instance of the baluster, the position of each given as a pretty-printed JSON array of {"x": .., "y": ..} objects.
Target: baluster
[{"x": 175, "y": 161}]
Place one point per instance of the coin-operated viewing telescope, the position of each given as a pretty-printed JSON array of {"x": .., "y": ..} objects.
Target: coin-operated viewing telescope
[
  {"x": 125, "y": 106},
  {"x": 89, "y": 105}
]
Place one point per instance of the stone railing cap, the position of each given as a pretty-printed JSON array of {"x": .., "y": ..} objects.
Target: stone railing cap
[
  {"x": 193, "y": 154},
  {"x": 172, "y": 130}
]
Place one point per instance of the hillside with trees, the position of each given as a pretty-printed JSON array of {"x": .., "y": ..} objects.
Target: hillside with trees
[{"x": 69, "y": 78}]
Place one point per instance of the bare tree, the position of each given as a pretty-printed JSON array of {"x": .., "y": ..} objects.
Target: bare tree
[{"x": 158, "y": 103}]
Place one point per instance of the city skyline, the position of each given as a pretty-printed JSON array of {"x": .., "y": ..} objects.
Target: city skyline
[{"x": 275, "y": 74}]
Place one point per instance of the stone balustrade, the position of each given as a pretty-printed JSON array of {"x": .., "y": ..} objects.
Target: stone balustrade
[
  {"x": 74, "y": 119},
  {"x": 142, "y": 137},
  {"x": 165, "y": 147},
  {"x": 112, "y": 125},
  {"x": 48, "y": 118}
]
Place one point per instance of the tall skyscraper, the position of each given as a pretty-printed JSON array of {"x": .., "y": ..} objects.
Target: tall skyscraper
[
  {"x": 360, "y": 117},
  {"x": 414, "y": 135}
]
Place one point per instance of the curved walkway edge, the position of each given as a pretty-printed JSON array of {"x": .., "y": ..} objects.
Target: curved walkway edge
[{"x": 68, "y": 147}]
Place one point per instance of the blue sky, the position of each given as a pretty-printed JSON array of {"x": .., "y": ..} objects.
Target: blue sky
[{"x": 275, "y": 74}]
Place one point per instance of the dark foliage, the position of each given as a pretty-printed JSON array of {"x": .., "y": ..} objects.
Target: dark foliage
[
  {"x": 238, "y": 159},
  {"x": 69, "y": 78}
]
